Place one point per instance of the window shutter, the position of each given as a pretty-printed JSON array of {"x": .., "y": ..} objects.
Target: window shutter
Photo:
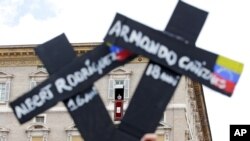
[
  {"x": 2, "y": 91},
  {"x": 126, "y": 88},
  {"x": 111, "y": 91},
  {"x": 7, "y": 91}
]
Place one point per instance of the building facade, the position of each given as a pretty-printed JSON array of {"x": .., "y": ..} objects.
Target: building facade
[{"x": 185, "y": 117}]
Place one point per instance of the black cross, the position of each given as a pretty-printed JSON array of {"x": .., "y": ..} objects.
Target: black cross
[
  {"x": 92, "y": 128},
  {"x": 56, "y": 86},
  {"x": 215, "y": 71},
  {"x": 186, "y": 22},
  {"x": 92, "y": 119}
]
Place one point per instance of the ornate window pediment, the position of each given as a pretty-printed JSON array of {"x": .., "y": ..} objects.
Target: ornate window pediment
[
  {"x": 120, "y": 71},
  {"x": 37, "y": 127},
  {"x": 73, "y": 134},
  {"x": 39, "y": 73},
  {"x": 164, "y": 125},
  {"x": 5, "y": 75},
  {"x": 37, "y": 132},
  {"x": 37, "y": 77}
]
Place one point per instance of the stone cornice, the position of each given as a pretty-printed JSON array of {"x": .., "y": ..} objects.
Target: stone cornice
[
  {"x": 202, "y": 110},
  {"x": 24, "y": 55}
]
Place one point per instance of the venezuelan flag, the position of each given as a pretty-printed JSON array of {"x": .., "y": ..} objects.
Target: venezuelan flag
[
  {"x": 228, "y": 70},
  {"x": 121, "y": 53}
]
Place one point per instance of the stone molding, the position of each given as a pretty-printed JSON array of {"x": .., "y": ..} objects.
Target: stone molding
[
  {"x": 24, "y": 55},
  {"x": 202, "y": 112}
]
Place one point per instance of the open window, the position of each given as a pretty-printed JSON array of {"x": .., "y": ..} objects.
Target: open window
[
  {"x": 119, "y": 81},
  {"x": 118, "y": 92}
]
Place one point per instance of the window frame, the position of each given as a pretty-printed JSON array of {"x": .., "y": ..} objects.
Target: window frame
[
  {"x": 37, "y": 77},
  {"x": 112, "y": 85},
  {"x": 71, "y": 137},
  {"x": 3, "y": 92},
  {"x": 5, "y": 80},
  {"x": 3, "y": 138},
  {"x": 43, "y": 138},
  {"x": 72, "y": 131},
  {"x": 41, "y": 115},
  {"x": 4, "y": 134},
  {"x": 32, "y": 131}
]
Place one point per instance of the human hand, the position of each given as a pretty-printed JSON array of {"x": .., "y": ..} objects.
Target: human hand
[{"x": 149, "y": 137}]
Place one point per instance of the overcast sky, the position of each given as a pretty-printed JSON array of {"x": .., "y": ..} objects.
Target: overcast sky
[{"x": 225, "y": 32}]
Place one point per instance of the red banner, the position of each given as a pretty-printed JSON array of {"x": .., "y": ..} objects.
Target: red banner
[{"x": 118, "y": 111}]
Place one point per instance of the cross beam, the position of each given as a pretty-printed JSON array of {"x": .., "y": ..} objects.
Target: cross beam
[
  {"x": 86, "y": 107},
  {"x": 215, "y": 71},
  {"x": 152, "y": 95}
]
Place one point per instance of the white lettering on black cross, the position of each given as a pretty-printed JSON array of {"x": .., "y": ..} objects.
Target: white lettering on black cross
[
  {"x": 65, "y": 83},
  {"x": 215, "y": 71},
  {"x": 153, "y": 70},
  {"x": 77, "y": 75},
  {"x": 89, "y": 125},
  {"x": 37, "y": 100},
  {"x": 68, "y": 83},
  {"x": 163, "y": 78}
]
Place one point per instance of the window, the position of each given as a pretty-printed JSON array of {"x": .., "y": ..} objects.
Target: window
[
  {"x": 37, "y": 132},
  {"x": 5, "y": 80},
  {"x": 37, "y": 138},
  {"x": 163, "y": 132},
  {"x": 76, "y": 138},
  {"x": 119, "y": 83},
  {"x": 37, "y": 77},
  {"x": 4, "y": 92},
  {"x": 40, "y": 119},
  {"x": 2, "y": 138},
  {"x": 3, "y": 134},
  {"x": 160, "y": 137},
  {"x": 118, "y": 88},
  {"x": 118, "y": 95},
  {"x": 73, "y": 134},
  {"x": 34, "y": 83}
]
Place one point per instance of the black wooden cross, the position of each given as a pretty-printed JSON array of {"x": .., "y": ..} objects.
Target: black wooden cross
[
  {"x": 91, "y": 118},
  {"x": 92, "y": 128},
  {"x": 79, "y": 75},
  {"x": 90, "y": 121},
  {"x": 215, "y": 71},
  {"x": 186, "y": 24}
]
